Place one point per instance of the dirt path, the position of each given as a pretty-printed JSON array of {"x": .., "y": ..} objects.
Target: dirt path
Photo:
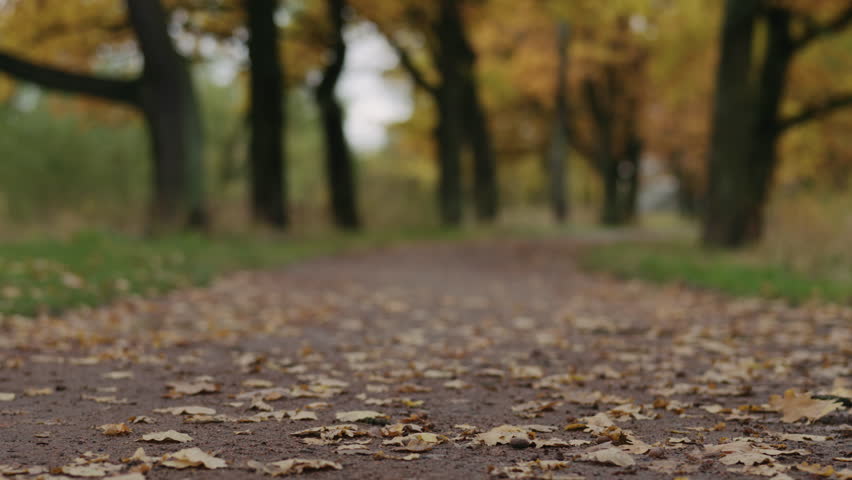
[{"x": 442, "y": 344}]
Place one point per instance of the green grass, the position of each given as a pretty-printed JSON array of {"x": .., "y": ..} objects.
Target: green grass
[
  {"x": 95, "y": 267},
  {"x": 741, "y": 274}
]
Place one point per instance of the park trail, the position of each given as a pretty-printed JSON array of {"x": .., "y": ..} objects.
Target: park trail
[{"x": 480, "y": 359}]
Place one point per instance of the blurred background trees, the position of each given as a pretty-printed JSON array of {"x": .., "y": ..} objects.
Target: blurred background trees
[{"x": 298, "y": 113}]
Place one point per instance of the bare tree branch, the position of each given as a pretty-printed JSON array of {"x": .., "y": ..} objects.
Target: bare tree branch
[
  {"x": 408, "y": 64},
  {"x": 816, "y": 110},
  {"x": 815, "y": 30},
  {"x": 123, "y": 91}
]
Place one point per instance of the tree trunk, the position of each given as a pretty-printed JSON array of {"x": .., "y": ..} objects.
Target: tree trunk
[
  {"x": 475, "y": 127},
  {"x": 169, "y": 104},
  {"x": 726, "y": 221},
  {"x": 485, "y": 191},
  {"x": 686, "y": 196},
  {"x": 450, "y": 96},
  {"x": 629, "y": 176},
  {"x": 340, "y": 168},
  {"x": 450, "y": 142},
  {"x": 559, "y": 136},
  {"x": 606, "y": 161},
  {"x": 764, "y": 158},
  {"x": 266, "y": 149}
]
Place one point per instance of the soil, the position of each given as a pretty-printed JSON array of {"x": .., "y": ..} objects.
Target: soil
[{"x": 514, "y": 321}]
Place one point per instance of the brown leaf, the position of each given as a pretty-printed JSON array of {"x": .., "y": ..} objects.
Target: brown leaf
[
  {"x": 167, "y": 436},
  {"x": 115, "y": 429},
  {"x": 293, "y": 466},
  {"x": 192, "y": 457},
  {"x": 795, "y": 406}
]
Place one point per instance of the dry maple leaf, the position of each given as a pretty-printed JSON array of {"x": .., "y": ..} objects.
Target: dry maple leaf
[
  {"x": 293, "y": 466},
  {"x": 167, "y": 436},
  {"x": 140, "y": 456},
  {"x": 6, "y": 397},
  {"x": 187, "y": 410},
  {"x": 115, "y": 429},
  {"x": 550, "y": 442},
  {"x": 301, "y": 415},
  {"x": 501, "y": 435},
  {"x": 795, "y": 437},
  {"x": 140, "y": 419},
  {"x": 257, "y": 403},
  {"x": 535, "y": 469},
  {"x": 399, "y": 429},
  {"x": 800, "y": 405},
  {"x": 38, "y": 392},
  {"x": 416, "y": 442},
  {"x": 526, "y": 372},
  {"x": 535, "y": 408},
  {"x": 181, "y": 389},
  {"x": 608, "y": 454},
  {"x": 353, "y": 449},
  {"x": 774, "y": 470},
  {"x": 816, "y": 469},
  {"x": 83, "y": 471},
  {"x": 747, "y": 458},
  {"x": 332, "y": 432},
  {"x": 109, "y": 399},
  {"x": 457, "y": 384},
  {"x": 381, "y": 455},
  {"x": 367, "y": 416},
  {"x": 192, "y": 457},
  {"x": 746, "y": 452}
]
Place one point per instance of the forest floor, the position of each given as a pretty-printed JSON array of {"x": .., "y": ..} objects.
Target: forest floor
[{"x": 479, "y": 359}]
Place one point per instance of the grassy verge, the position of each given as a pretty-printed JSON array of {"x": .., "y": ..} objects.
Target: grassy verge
[
  {"x": 742, "y": 274},
  {"x": 94, "y": 268}
]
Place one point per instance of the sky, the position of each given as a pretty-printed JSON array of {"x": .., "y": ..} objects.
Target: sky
[{"x": 372, "y": 100}]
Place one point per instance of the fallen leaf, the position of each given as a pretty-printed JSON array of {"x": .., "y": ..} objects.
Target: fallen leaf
[
  {"x": 501, "y": 435},
  {"x": 115, "y": 429},
  {"x": 794, "y": 406},
  {"x": 186, "y": 410},
  {"x": 795, "y": 437},
  {"x": 167, "y": 436},
  {"x": 612, "y": 455},
  {"x": 399, "y": 429},
  {"x": 110, "y": 399},
  {"x": 293, "y": 466},
  {"x": 38, "y": 392},
  {"x": 816, "y": 469},
  {"x": 181, "y": 389},
  {"x": 535, "y": 469},
  {"x": 416, "y": 442},
  {"x": 140, "y": 419},
  {"x": 302, "y": 415},
  {"x": 140, "y": 456},
  {"x": 457, "y": 384},
  {"x": 332, "y": 432},
  {"x": 86, "y": 471},
  {"x": 6, "y": 397},
  {"x": 192, "y": 457},
  {"x": 367, "y": 416}
]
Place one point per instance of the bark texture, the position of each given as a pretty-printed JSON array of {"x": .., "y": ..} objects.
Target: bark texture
[
  {"x": 339, "y": 164},
  {"x": 266, "y": 147}
]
